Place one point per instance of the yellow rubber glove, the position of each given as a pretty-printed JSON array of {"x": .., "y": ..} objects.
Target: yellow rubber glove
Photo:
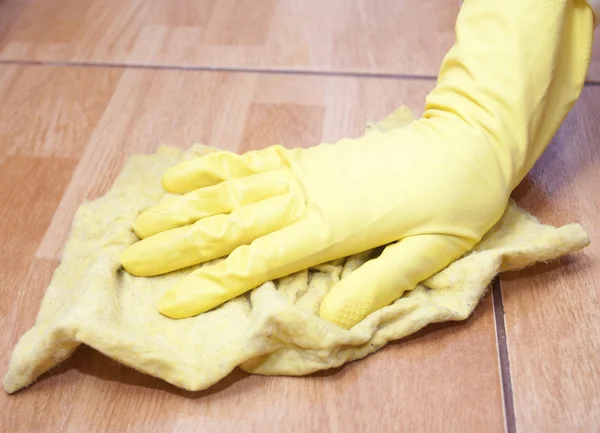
[{"x": 430, "y": 190}]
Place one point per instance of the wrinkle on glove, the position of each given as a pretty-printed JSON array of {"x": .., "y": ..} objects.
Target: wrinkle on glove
[{"x": 272, "y": 330}]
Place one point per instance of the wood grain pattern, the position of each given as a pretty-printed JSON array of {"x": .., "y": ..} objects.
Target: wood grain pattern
[
  {"x": 382, "y": 36},
  {"x": 27, "y": 202},
  {"x": 553, "y": 311},
  {"x": 594, "y": 71},
  {"x": 444, "y": 379},
  {"x": 368, "y": 36},
  {"x": 73, "y": 100},
  {"x": 300, "y": 125},
  {"x": 66, "y": 131}
]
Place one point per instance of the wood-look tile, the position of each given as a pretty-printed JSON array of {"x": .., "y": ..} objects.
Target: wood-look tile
[
  {"x": 10, "y": 11},
  {"x": 180, "y": 13},
  {"x": 379, "y": 36},
  {"x": 594, "y": 71},
  {"x": 286, "y": 124},
  {"x": 30, "y": 190},
  {"x": 239, "y": 23},
  {"x": 369, "y": 36},
  {"x": 291, "y": 89},
  {"x": 425, "y": 383},
  {"x": 51, "y": 111},
  {"x": 553, "y": 311}
]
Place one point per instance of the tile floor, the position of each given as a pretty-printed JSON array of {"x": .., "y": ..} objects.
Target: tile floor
[{"x": 84, "y": 84}]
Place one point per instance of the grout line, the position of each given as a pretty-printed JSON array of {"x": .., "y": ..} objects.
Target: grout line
[
  {"x": 308, "y": 72},
  {"x": 506, "y": 381}
]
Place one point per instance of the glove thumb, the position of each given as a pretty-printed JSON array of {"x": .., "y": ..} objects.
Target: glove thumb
[{"x": 381, "y": 281}]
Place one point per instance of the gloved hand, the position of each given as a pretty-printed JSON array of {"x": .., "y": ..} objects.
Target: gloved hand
[{"x": 430, "y": 190}]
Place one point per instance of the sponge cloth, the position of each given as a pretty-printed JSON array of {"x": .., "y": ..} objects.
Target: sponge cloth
[{"x": 272, "y": 330}]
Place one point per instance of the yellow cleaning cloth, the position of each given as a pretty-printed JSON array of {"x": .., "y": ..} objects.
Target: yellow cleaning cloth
[{"x": 272, "y": 330}]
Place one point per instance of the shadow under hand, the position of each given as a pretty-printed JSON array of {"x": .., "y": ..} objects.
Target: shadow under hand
[{"x": 571, "y": 264}]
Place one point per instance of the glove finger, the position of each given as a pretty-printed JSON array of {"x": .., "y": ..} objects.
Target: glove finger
[
  {"x": 219, "y": 166},
  {"x": 384, "y": 279},
  {"x": 211, "y": 237},
  {"x": 273, "y": 256},
  {"x": 204, "y": 202}
]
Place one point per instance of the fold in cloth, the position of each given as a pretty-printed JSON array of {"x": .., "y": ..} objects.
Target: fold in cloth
[{"x": 272, "y": 330}]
